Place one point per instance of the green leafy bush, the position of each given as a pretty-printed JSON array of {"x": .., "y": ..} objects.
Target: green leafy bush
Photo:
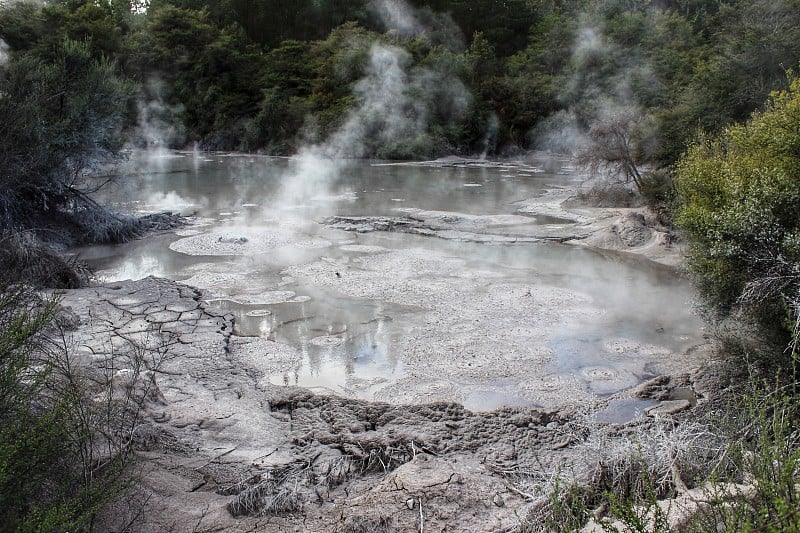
[
  {"x": 39, "y": 479},
  {"x": 739, "y": 201}
]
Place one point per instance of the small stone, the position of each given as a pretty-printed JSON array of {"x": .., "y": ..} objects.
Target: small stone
[
  {"x": 410, "y": 504},
  {"x": 498, "y": 501},
  {"x": 668, "y": 407}
]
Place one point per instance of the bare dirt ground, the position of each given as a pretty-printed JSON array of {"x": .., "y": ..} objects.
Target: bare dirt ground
[{"x": 220, "y": 449}]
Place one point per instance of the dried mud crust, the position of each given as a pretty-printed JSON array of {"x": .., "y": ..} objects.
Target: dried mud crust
[
  {"x": 439, "y": 428},
  {"x": 374, "y": 466},
  {"x": 368, "y": 466},
  {"x": 221, "y": 449},
  {"x": 633, "y": 231}
]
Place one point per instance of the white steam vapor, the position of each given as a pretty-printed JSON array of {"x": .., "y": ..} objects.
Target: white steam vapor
[
  {"x": 588, "y": 42},
  {"x": 560, "y": 133},
  {"x": 159, "y": 125},
  {"x": 594, "y": 94},
  {"x": 398, "y": 16},
  {"x": 490, "y": 138},
  {"x": 3, "y": 53},
  {"x": 384, "y": 107},
  {"x": 394, "y": 105},
  {"x": 381, "y": 96}
]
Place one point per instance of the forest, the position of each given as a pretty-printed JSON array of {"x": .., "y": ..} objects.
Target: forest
[
  {"x": 693, "y": 104},
  {"x": 510, "y": 75}
]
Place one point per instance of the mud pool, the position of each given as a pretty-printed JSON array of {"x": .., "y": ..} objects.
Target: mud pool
[{"x": 475, "y": 305}]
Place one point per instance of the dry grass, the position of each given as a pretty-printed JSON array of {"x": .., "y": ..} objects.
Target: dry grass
[
  {"x": 285, "y": 489},
  {"x": 34, "y": 256},
  {"x": 649, "y": 461},
  {"x": 24, "y": 258},
  {"x": 605, "y": 193}
]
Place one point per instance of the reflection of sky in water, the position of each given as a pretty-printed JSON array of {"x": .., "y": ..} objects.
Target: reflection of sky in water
[
  {"x": 351, "y": 353},
  {"x": 348, "y": 344},
  {"x": 624, "y": 410}
]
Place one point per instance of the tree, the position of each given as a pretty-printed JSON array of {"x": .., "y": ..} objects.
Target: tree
[
  {"x": 741, "y": 53},
  {"x": 740, "y": 206},
  {"x": 61, "y": 120},
  {"x": 620, "y": 142},
  {"x": 213, "y": 73}
]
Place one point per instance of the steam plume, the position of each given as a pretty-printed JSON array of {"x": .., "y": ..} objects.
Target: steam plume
[
  {"x": 594, "y": 94},
  {"x": 398, "y": 16},
  {"x": 159, "y": 124},
  {"x": 394, "y": 104},
  {"x": 3, "y": 53}
]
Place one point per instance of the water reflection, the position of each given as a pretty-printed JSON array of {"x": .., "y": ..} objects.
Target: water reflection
[
  {"x": 367, "y": 311},
  {"x": 351, "y": 353}
]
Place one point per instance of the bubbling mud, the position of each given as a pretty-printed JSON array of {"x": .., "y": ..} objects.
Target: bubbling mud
[{"x": 463, "y": 291}]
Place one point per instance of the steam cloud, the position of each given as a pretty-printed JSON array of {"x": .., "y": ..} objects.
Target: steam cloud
[
  {"x": 156, "y": 128},
  {"x": 398, "y": 16},
  {"x": 394, "y": 105},
  {"x": 3, "y": 53},
  {"x": 593, "y": 94}
]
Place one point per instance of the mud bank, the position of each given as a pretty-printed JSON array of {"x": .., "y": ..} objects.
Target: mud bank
[
  {"x": 221, "y": 448},
  {"x": 553, "y": 217},
  {"x": 633, "y": 232}
]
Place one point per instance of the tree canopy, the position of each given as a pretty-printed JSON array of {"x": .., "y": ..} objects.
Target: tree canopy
[{"x": 262, "y": 75}]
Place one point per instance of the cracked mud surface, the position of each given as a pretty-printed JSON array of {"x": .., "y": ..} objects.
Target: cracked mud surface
[
  {"x": 467, "y": 316},
  {"x": 213, "y": 425},
  {"x": 222, "y": 449}
]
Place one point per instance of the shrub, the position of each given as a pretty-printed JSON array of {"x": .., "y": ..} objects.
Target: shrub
[
  {"x": 61, "y": 118},
  {"x": 33, "y": 467},
  {"x": 739, "y": 203},
  {"x": 658, "y": 192},
  {"x": 765, "y": 447},
  {"x": 66, "y": 427}
]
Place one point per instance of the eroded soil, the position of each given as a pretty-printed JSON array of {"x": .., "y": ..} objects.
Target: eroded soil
[{"x": 221, "y": 448}]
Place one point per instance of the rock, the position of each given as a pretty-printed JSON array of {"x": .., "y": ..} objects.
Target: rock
[
  {"x": 668, "y": 407},
  {"x": 68, "y": 319},
  {"x": 632, "y": 230}
]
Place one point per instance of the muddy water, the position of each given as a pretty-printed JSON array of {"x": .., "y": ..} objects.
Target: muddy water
[{"x": 401, "y": 317}]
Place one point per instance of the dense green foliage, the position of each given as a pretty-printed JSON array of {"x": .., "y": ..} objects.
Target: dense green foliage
[
  {"x": 740, "y": 205},
  {"x": 50, "y": 479},
  {"x": 272, "y": 75}
]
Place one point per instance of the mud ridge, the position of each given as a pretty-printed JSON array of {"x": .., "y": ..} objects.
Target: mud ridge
[{"x": 221, "y": 449}]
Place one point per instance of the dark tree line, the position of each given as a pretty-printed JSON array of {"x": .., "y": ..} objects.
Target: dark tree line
[{"x": 235, "y": 74}]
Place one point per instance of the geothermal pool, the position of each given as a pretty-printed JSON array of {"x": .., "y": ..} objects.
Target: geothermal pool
[{"x": 479, "y": 311}]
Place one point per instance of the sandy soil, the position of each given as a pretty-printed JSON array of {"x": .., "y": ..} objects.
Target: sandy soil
[{"x": 221, "y": 449}]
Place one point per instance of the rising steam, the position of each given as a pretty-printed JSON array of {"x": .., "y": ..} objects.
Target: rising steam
[
  {"x": 399, "y": 17},
  {"x": 395, "y": 101},
  {"x": 593, "y": 94},
  {"x": 3, "y": 53},
  {"x": 156, "y": 127}
]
